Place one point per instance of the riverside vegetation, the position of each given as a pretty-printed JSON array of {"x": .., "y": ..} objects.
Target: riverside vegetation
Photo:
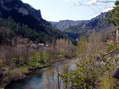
[
  {"x": 97, "y": 64},
  {"x": 20, "y": 54},
  {"x": 98, "y": 61},
  {"x": 98, "y": 56}
]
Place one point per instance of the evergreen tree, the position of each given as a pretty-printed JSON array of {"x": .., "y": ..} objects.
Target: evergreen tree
[{"x": 115, "y": 14}]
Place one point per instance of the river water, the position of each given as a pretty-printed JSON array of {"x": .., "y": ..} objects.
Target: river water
[{"x": 46, "y": 78}]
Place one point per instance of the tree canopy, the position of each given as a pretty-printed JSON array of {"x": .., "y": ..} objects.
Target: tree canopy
[{"x": 115, "y": 14}]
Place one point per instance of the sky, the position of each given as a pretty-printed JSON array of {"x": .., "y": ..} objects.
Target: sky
[{"x": 55, "y": 10}]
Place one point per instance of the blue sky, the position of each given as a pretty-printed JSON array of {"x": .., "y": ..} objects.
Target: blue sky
[{"x": 55, "y": 10}]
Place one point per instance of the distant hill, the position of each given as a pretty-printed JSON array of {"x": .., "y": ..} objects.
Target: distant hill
[
  {"x": 24, "y": 15},
  {"x": 99, "y": 23},
  {"x": 64, "y": 24}
]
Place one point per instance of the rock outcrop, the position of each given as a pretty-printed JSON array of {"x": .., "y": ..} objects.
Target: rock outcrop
[{"x": 24, "y": 14}]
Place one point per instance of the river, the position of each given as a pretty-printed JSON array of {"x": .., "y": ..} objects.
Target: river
[{"x": 46, "y": 78}]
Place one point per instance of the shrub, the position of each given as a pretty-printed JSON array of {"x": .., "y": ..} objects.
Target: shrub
[
  {"x": 1, "y": 63},
  {"x": 34, "y": 64},
  {"x": 94, "y": 69},
  {"x": 107, "y": 82}
]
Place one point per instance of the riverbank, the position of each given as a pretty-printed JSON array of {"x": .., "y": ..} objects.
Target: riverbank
[
  {"x": 46, "y": 78},
  {"x": 17, "y": 74},
  {"x": 22, "y": 72}
]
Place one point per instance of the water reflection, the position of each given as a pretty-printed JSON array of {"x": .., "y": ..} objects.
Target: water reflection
[{"x": 46, "y": 78}]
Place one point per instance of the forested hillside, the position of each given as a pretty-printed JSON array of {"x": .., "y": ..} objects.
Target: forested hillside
[
  {"x": 86, "y": 27},
  {"x": 37, "y": 54},
  {"x": 28, "y": 21},
  {"x": 64, "y": 24}
]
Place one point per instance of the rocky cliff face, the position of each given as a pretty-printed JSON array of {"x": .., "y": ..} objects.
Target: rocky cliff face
[
  {"x": 24, "y": 14},
  {"x": 99, "y": 22},
  {"x": 10, "y": 7}
]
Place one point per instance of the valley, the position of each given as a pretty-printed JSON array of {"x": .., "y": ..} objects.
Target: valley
[{"x": 69, "y": 54}]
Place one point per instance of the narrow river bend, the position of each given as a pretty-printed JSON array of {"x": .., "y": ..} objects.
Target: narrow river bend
[{"x": 46, "y": 78}]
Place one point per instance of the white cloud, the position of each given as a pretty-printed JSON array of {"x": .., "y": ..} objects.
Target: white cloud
[
  {"x": 107, "y": 9},
  {"x": 71, "y": 1},
  {"x": 88, "y": 2},
  {"x": 92, "y": 2}
]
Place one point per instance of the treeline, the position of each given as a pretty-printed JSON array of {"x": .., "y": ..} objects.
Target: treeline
[
  {"x": 23, "y": 55},
  {"x": 98, "y": 60},
  {"x": 9, "y": 29},
  {"x": 96, "y": 66},
  {"x": 22, "y": 48}
]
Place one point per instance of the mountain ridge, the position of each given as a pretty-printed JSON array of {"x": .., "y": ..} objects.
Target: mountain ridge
[
  {"x": 64, "y": 24},
  {"x": 24, "y": 14},
  {"x": 84, "y": 23},
  {"x": 84, "y": 27}
]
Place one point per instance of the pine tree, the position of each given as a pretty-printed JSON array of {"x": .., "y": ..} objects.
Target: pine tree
[{"x": 115, "y": 14}]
